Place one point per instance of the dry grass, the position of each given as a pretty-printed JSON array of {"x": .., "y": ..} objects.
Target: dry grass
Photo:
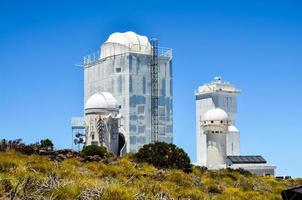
[{"x": 35, "y": 177}]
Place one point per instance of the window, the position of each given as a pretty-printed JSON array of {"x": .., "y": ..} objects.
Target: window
[
  {"x": 144, "y": 85},
  {"x": 119, "y": 84},
  {"x": 141, "y": 109},
  {"x": 130, "y": 84},
  {"x": 118, "y": 70},
  {"x": 92, "y": 137},
  {"x": 212, "y": 122},
  {"x": 163, "y": 87},
  {"x": 221, "y": 122}
]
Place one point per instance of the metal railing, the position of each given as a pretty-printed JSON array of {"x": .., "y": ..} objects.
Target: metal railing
[{"x": 96, "y": 56}]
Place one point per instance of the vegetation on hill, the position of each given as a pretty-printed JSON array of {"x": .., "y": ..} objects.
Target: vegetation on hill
[
  {"x": 93, "y": 150},
  {"x": 164, "y": 155},
  {"x": 39, "y": 177}
]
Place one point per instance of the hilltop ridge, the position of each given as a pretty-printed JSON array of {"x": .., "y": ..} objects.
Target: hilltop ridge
[{"x": 38, "y": 177}]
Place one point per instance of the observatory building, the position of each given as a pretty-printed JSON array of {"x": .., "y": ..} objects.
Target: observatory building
[
  {"x": 122, "y": 68},
  {"x": 216, "y": 108},
  {"x": 217, "y": 137},
  {"x": 102, "y": 123}
]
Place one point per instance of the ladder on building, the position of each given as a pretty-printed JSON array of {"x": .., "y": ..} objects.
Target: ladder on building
[{"x": 154, "y": 68}]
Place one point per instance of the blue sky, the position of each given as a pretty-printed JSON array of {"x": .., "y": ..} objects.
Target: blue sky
[{"x": 257, "y": 45}]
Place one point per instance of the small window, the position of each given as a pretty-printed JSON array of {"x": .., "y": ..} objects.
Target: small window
[
  {"x": 92, "y": 137},
  {"x": 212, "y": 122},
  {"x": 118, "y": 70},
  {"x": 221, "y": 122}
]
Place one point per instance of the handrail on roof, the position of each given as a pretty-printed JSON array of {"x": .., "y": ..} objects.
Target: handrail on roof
[{"x": 95, "y": 56}]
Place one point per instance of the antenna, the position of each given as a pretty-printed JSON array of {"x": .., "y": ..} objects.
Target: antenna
[{"x": 154, "y": 90}]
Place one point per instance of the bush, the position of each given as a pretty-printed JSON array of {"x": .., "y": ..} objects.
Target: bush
[
  {"x": 164, "y": 155},
  {"x": 47, "y": 144},
  {"x": 21, "y": 147},
  {"x": 93, "y": 150}
]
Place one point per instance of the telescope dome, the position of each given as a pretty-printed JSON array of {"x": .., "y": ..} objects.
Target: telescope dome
[
  {"x": 101, "y": 100},
  {"x": 120, "y": 43},
  {"x": 216, "y": 114}
]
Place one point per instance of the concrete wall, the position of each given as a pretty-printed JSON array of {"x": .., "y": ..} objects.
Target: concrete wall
[
  {"x": 216, "y": 149},
  {"x": 233, "y": 143},
  {"x": 206, "y": 101},
  {"x": 258, "y": 169},
  {"x": 127, "y": 78},
  {"x": 109, "y": 139}
]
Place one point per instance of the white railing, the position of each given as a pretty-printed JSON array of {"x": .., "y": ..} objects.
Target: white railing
[{"x": 95, "y": 56}]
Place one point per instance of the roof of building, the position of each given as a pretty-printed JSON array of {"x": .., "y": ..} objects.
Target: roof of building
[
  {"x": 246, "y": 159},
  {"x": 217, "y": 85},
  {"x": 128, "y": 38},
  {"x": 216, "y": 114},
  {"x": 101, "y": 100},
  {"x": 132, "y": 41},
  {"x": 233, "y": 128}
]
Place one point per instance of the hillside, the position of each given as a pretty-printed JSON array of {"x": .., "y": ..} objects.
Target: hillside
[{"x": 36, "y": 177}]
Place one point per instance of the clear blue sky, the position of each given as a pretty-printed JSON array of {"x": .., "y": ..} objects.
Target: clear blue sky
[{"x": 257, "y": 45}]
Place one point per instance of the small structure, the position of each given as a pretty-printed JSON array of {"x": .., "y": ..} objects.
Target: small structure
[
  {"x": 254, "y": 164},
  {"x": 102, "y": 123}
]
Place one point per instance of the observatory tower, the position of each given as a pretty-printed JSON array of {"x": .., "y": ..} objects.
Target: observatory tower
[
  {"x": 217, "y": 138},
  {"x": 215, "y": 126},
  {"x": 216, "y": 107},
  {"x": 123, "y": 68}
]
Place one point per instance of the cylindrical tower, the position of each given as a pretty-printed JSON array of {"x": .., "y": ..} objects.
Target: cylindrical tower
[
  {"x": 215, "y": 124},
  {"x": 102, "y": 121}
]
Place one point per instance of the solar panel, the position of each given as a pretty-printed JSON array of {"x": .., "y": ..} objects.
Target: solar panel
[{"x": 246, "y": 159}]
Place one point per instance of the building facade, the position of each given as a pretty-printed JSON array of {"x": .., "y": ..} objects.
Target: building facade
[
  {"x": 211, "y": 96},
  {"x": 102, "y": 123},
  {"x": 218, "y": 143},
  {"x": 122, "y": 68}
]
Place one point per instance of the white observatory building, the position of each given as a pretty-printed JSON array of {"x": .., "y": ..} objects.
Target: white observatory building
[
  {"x": 216, "y": 108},
  {"x": 102, "y": 123},
  {"x": 122, "y": 68},
  {"x": 217, "y": 138},
  {"x": 215, "y": 123}
]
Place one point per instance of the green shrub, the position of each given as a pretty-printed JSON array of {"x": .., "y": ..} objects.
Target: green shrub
[
  {"x": 93, "y": 150},
  {"x": 47, "y": 144},
  {"x": 164, "y": 155}
]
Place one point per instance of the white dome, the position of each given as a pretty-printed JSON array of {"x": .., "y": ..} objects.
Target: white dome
[
  {"x": 119, "y": 43},
  {"x": 101, "y": 100},
  {"x": 216, "y": 114},
  {"x": 129, "y": 39}
]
